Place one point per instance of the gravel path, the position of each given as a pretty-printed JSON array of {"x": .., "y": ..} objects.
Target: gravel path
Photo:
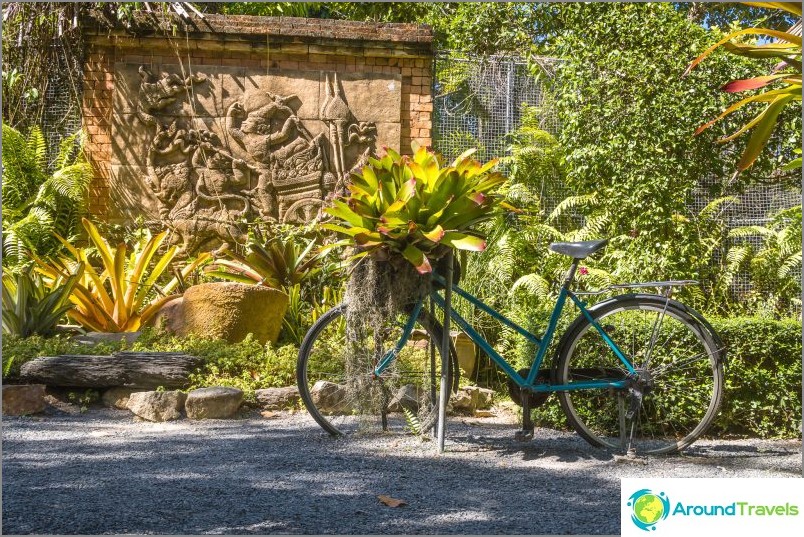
[{"x": 102, "y": 472}]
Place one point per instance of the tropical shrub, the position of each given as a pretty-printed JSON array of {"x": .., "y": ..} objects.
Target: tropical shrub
[
  {"x": 279, "y": 263},
  {"x": 786, "y": 75},
  {"x": 36, "y": 202},
  {"x": 18, "y": 350},
  {"x": 30, "y": 308},
  {"x": 417, "y": 208},
  {"x": 774, "y": 266},
  {"x": 124, "y": 295}
]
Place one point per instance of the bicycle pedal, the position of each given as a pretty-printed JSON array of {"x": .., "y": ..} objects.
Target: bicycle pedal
[{"x": 523, "y": 436}]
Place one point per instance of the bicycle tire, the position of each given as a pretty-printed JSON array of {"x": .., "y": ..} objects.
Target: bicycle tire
[
  {"x": 685, "y": 364},
  {"x": 362, "y": 404}
]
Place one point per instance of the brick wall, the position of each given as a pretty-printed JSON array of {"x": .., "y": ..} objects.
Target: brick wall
[{"x": 275, "y": 44}]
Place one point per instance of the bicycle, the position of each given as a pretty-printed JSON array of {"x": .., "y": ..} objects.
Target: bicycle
[{"x": 636, "y": 373}]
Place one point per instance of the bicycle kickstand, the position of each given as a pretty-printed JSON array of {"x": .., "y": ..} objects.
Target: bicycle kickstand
[{"x": 526, "y": 433}]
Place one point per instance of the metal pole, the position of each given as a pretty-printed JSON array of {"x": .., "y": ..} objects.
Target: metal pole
[{"x": 445, "y": 357}]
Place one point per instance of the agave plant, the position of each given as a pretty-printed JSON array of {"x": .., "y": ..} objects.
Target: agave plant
[
  {"x": 30, "y": 308},
  {"x": 416, "y": 207},
  {"x": 786, "y": 75},
  {"x": 37, "y": 203},
  {"x": 279, "y": 263},
  {"x": 124, "y": 295}
]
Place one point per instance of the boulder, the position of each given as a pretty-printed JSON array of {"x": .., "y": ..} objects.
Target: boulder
[
  {"x": 277, "y": 398},
  {"x": 117, "y": 397},
  {"x": 23, "y": 399},
  {"x": 157, "y": 406},
  {"x": 231, "y": 311},
  {"x": 217, "y": 402},
  {"x": 461, "y": 401},
  {"x": 170, "y": 317},
  {"x": 471, "y": 398},
  {"x": 329, "y": 398},
  {"x": 482, "y": 398}
]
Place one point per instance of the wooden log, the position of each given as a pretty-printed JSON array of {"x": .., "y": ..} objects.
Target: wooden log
[{"x": 131, "y": 369}]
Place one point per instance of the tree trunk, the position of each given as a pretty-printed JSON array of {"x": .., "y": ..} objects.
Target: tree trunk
[{"x": 130, "y": 369}]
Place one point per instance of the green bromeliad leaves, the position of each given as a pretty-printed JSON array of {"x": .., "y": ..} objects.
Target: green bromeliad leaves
[{"x": 417, "y": 207}]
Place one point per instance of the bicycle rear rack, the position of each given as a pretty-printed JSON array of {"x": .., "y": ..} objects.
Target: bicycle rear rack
[{"x": 666, "y": 285}]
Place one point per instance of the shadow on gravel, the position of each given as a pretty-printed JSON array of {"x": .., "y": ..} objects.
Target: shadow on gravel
[{"x": 261, "y": 477}]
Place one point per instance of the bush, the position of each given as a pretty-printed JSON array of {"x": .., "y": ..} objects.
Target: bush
[
  {"x": 18, "y": 350},
  {"x": 763, "y": 377},
  {"x": 762, "y": 393},
  {"x": 247, "y": 365}
]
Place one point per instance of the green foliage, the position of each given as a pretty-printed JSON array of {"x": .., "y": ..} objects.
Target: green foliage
[
  {"x": 417, "y": 208},
  {"x": 18, "y": 350},
  {"x": 247, "y": 365},
  {"x": 774, "y": 267},
  {"x": 786, "y": 77},
  {"x": 29, "y": 307},
  {"x": 279, "y": 263},
  {"x": 37, "y": 203},
  {"x": 124, "y": 295},
  {"x": 763, "y": 377},
  {"x": 627, "y": 121}
]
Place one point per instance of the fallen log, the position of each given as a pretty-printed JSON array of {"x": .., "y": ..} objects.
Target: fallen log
[{"x": 131, "y": 369}]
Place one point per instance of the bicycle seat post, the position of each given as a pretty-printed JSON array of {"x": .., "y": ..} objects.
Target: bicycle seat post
[{"x": 570, "y": 274}]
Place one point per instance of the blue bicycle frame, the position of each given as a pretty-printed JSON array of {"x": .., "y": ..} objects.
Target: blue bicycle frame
[{"x": 542, "y": 344}]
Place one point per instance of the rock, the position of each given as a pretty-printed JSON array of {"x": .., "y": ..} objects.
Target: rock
[
  {"x": 217, "y": 402},
  {"x": 406, "y": 397},
  {"x": 23, "y": 399},
  {"x": 230, "y": 311},
  {"x": 93, "y": 338},
  {"x": 482, "y": 398},
  {"x": 170, "y": 317},
  {"x": 117, "y": 397},
  {"x": 461, "y": 401},
  {"x": 157, "y": 406},
  {"x": 329, "y": 398},
  {"x": 484, "y": 414},
  {"x": 59, "y": 405},
  {"x": 278, "y": 398},
  {"x": 129, "y": 369}
]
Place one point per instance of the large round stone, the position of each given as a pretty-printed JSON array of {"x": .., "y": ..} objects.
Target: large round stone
[
  {"x": 23, "y": 399},
  {"x": 231, "y": 311},
  {"x": 157, "y": 406},
  {"x": 217, "y": 402}
]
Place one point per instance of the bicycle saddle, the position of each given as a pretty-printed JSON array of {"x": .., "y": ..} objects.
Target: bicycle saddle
[{"x": 578, "y": 250}]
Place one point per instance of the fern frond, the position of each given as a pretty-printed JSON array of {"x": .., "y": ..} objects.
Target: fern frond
[
  {"x": 533, "y": 284},
  {"x": 573, "y": 202},
  {"x": 714, "y": 206}
]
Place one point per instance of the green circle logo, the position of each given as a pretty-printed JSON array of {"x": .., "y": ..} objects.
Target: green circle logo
[{"x": 648, "y": 508}]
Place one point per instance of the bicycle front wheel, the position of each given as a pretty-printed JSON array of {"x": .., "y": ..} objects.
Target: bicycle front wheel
[
  {"x": 335, "y": 375},
  {"x": 668, "y": 345}
]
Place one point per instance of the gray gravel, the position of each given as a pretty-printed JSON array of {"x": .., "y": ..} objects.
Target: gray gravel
[{"x": 102, "y": 472}]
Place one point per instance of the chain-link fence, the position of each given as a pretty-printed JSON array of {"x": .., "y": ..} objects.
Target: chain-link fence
[
  {"x": 61, "y": 115},
  {"x": 479, "y": 101}
]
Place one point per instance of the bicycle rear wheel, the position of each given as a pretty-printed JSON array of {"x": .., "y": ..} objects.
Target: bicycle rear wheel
[
  {"x": 336, "y": 381},
  {"x": 665, "y": 341}
]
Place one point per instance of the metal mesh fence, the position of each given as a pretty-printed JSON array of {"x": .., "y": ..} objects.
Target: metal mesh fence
[
  {"x": 62, "y": 111},
  {"x": 478, "y": 102}
]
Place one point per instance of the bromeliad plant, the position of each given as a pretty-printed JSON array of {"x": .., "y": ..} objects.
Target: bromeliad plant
[
  {"x": 417, "y": 208},
  {"x": 124, "y": 295},
  {"x": 786, "y": 76},
  {"x": 279, "y": 263},
  {"x": 30, "y": 308}
]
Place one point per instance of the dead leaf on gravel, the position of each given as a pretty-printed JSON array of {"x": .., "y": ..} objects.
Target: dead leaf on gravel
[
  {"x": 391, "y": 502},
  {"x": 269, "y": 415}
]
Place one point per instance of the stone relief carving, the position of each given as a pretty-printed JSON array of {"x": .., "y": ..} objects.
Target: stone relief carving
[{"x": 264, "y": 163}]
